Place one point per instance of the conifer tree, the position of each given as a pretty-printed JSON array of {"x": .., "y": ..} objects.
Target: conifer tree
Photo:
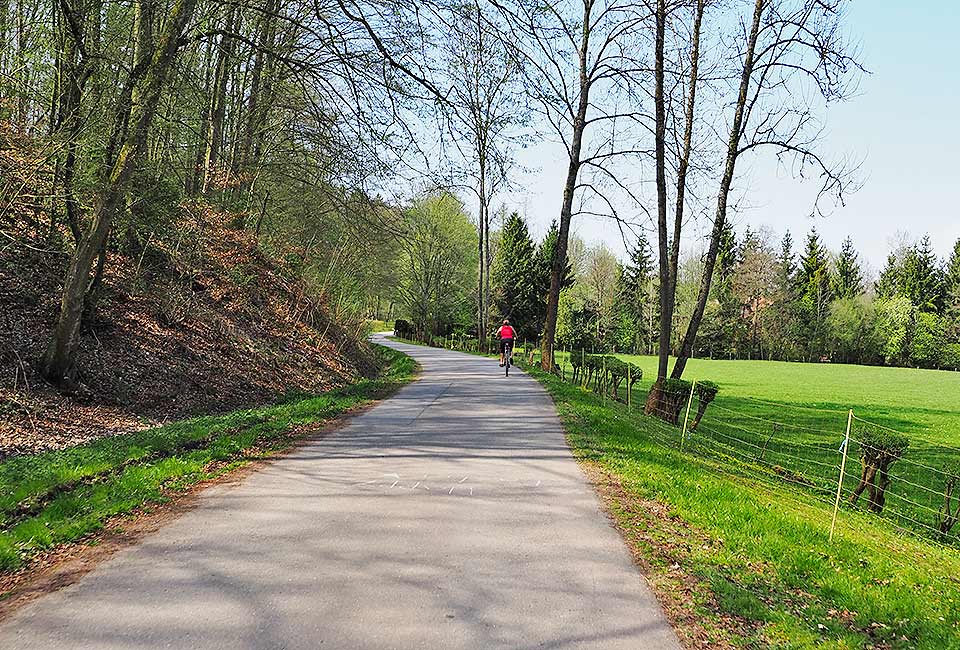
[
  {"x": 848, "y": 276},
  {"x": 633, "y": 319},
  {"x": 515, "y": 277},
  {"x": 951, "y": 282},
  {"x": 814, "y": 293},
  {"x": 922, "y": 279},
  {"x": 544, "y": 266}
]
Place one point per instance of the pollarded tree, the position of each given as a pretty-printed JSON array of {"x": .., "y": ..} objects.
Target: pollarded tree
[
  {"x": 847, "y": 277},
  {"x": 514, "y": 277},
  {"x": 950, "y": 512},
  {"x": 879, "y": 449}
]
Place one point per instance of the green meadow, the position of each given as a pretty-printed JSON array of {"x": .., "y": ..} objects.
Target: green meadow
[{"x": 788, "y": 421}]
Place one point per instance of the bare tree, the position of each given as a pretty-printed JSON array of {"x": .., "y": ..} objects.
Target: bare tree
[
  {"x": 59, "y": 359},
  {"x": 483, "y": 114},
  {"x": 582, "y": 72},
  {"x": 668, "y": 239},
  {"x": 788, "y": 49}
]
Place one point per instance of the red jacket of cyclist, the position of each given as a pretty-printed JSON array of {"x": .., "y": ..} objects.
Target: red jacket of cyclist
[{"x": 505, "y": 334}]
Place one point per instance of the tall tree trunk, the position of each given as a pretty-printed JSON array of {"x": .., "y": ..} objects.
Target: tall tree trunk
[
  {"x": 195, "y": 177},
  {"x": 6, "y": 91},
  {"x": 666, "y": 313},
  {"x": 481, "y": 251},
  {"x": 61, "y": 353},
  {"x": 733, "y": 150},
  {"x": 684, "y": 166},
  {"x": 656, "y": 396},
  {"x": 569, "y": 189},
  {"x": 77, "y": 69},
  {"x": 218, "y": 102}
]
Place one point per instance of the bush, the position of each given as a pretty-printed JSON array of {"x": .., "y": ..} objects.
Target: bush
[{"x": 403, "y": 329}]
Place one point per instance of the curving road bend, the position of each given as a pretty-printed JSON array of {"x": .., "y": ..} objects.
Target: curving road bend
[{"x": 452, "y": 515}]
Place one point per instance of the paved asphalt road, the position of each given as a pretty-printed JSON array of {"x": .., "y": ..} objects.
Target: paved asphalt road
[{"x": 452, "y": 515}]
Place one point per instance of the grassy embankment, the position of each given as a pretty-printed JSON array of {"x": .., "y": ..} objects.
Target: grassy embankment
[
  {"x": 760, "y": 551},
  {"x": 58, "y": 497}
]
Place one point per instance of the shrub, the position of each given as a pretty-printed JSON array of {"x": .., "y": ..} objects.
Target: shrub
[
  {"x": 403, "y": 329},
  {"x": 879, "y": 449}
]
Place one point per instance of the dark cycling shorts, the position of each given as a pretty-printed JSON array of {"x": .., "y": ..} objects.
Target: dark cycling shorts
[{"x": 504, "y": 343}]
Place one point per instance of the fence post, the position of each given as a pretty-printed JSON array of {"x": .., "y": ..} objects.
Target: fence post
[
  {"x": 683, "y": 436},
  {"x": 603, "y": 382},
  {"x": 629, "y": 376},
  {"x": 843, "y": 467}
]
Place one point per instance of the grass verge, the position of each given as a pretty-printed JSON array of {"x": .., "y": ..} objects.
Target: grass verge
[
  {"x": 59, "y": 497},
  {"x": 753, "y": 558}
]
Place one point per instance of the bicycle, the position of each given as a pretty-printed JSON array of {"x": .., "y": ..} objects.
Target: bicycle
[{"x": 507, "y": 358}]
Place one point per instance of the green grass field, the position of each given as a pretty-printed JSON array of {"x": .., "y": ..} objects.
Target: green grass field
[
  {"x": 761, "y": 549},
  {"x": 791, "y": 418}
]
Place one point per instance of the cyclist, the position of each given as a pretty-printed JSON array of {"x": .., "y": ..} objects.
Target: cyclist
[{"x": 505, "y": 334}]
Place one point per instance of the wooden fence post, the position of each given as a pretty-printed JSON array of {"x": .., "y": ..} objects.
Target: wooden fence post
[
  {"x": 683, "y": 436},
  {"x": 843, "y": 467}
]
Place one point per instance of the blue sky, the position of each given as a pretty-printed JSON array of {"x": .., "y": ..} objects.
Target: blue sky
[{"x": 904, "y": 124}]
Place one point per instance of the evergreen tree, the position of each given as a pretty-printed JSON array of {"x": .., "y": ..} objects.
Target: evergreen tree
[
  {"x": 951, "y": 290},
  {"x": 515, "y": 277},
  {"x": 813, "y": 291},
  {"x": 543, "y": 264},
  {"x": 633, "y": 318},
  {"x": 638, "y": 274},
  {"x": 890, "y": 281},
  {"x": 922, "y": 280},
  {"x": 848, "y": 278},
  {"x": 786, "y": 265},
  {"x": 721, "y": 323},
  {"x": 784, "y": 323}
]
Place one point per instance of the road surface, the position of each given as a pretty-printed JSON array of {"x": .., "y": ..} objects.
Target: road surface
[{"x": 452, "y": 515}]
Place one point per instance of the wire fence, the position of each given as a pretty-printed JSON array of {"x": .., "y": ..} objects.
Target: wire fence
[{"x": 838, "y": 457}]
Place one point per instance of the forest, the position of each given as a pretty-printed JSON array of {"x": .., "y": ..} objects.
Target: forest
[{"x": 367, "y": 149}]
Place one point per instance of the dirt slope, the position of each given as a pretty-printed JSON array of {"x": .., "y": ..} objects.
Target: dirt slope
[{"x": 202, "y": 323}]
